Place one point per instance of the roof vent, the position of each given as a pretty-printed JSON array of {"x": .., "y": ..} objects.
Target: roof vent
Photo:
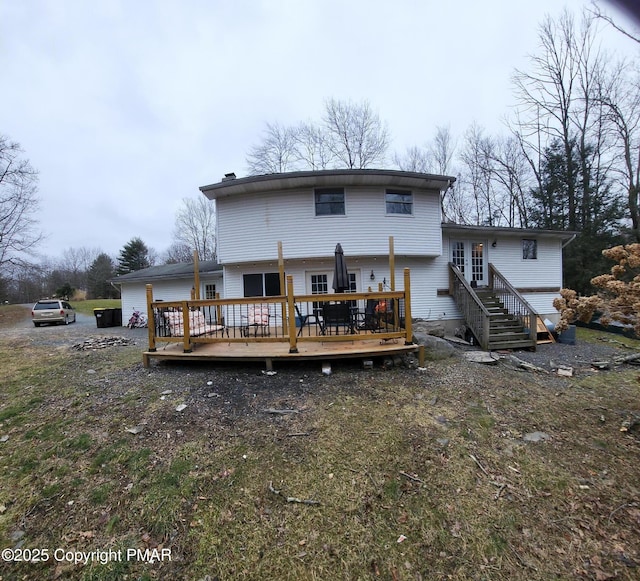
[{"x": 229, "y": 176}]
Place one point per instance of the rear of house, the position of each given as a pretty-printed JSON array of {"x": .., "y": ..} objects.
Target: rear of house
[{"x": 363, "y": 210}]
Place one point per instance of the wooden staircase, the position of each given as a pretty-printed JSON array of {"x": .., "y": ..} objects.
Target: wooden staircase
[
  {"x": 505, "y": 330},
  {"x": 498, "y": 315}
]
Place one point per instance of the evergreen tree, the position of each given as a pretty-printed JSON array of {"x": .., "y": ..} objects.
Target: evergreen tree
[
  {"x": 101, "y": 270},
  {"x": 133, "y": 256},
  {"x": 571, "y": 198}
]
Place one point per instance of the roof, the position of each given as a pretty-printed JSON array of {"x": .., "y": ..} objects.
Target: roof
[
  {"x": 497, "y": 230},
  {"x": 326, "y": 178},
  {"x": 169, "y": 271}
]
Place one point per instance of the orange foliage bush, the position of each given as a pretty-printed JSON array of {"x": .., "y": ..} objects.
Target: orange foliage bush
[{"x": 618, "y": 297}]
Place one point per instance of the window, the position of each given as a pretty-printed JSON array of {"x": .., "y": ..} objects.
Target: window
[
  {"x": 262, "y": 285},
  {"x": 209, "y": 291},
  {"x": 329, "y": 202},
  {"x": 398, "y": 202},
  {"x": 529, "y": 249}
]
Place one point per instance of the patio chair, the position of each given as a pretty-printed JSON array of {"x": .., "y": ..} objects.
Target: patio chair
[
  {"x": 368, "y": 321},
  {"x": 257, "y": 317},
  {"x": 336, "y": 315},
  {"x": 304, "y": 319}
]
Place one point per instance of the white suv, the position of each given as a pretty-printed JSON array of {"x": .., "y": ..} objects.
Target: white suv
[{"x": 52, "y": 311}]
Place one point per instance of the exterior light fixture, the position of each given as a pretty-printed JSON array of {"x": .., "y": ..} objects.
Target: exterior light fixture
[{"x": 372, "y": 276}]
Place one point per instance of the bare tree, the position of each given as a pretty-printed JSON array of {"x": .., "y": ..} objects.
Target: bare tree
[
  {"x": 178, "y": 252},
  {"x": 276, "y": 153},
  {"x": 619, "y": 94},
  {"x": 357, "y": 137},
  {"x": 415, "y": 159},
  {"x": 313, "y": 149},
  {"x": 195, "y": 227},
  {"x": 597, "y": 13},
  {"x": 18, "y": 205}
]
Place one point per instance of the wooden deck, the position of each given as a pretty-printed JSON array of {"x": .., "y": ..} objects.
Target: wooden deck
[
  {"x": 269, "y": 352},
  {"x": 229, "y": 329}
]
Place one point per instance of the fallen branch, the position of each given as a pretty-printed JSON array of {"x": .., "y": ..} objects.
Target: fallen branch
[
  {"x": 627, "y": 358},
  {"x": 297, "y": 434},
  {"x": 410, "y": 477},
  {"x": 527, "y": 366},
  {"x": 479, "y": 465},
  {"x": 279, "y": 412},
  {"x": 291, "y": 498}
]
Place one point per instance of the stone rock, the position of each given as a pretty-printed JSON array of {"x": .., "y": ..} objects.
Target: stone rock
[
  {"x": 435, "y": 347},
  {"x": 535, "y": 437},
  {"x": 429, "y": 328},
  {"x": 481, "y": 357}
]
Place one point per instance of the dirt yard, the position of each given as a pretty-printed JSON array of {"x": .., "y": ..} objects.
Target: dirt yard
[{"x": 457, "y": 471}]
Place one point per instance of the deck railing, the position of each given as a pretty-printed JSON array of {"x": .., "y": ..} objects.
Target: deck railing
[
  {"x": 382, "y": 315},
  {"x": 475, "y": 314},
  {"x": 513, "y": 301}
]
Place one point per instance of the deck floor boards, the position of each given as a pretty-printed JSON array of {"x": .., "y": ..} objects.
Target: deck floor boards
[{"x": 272, "y": 351}]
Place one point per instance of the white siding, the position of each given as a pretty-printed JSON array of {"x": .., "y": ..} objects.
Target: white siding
[
  {"x": 544, "y": 273},
  {"x": 134, "y": 295},
  {"x": 249, "y": 227}
]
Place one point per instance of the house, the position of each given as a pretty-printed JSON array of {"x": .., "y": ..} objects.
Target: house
[
  {"x": 374, "y": 215},
  {"x": 310, "y": 211},
  {"x": 170, "y": 282}
]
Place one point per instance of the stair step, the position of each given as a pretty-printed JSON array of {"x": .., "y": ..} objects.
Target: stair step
[
  {"x": 496, "y": 345},
  {"x": 510, "y": 334},
  {"x": 495, "y": 322}
]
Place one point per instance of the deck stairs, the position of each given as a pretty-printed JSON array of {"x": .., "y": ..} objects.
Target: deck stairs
[
  {"x": 497, "y": 315},
  {"x": 506, "y": 331}
]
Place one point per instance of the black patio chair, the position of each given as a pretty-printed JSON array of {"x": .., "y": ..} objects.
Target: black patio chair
[
  {"x": 305, "y": 319},
  {"x": 336, "y": 315},
  {"x": 368, "y": 321}
]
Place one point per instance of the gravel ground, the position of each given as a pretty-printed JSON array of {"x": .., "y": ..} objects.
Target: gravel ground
[{"x": 85, "y": 326}]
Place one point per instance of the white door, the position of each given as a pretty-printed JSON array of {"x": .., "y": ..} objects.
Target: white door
[
  {"x": 319, "y": 282},
  {"x": 470, "y": 257}
]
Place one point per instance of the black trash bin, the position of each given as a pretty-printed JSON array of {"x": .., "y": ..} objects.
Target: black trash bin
[
  {"x": 104, "y": 318},
  {"x": 117, "y": 317}
]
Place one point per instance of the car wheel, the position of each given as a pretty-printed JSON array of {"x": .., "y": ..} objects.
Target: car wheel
[
  {"x": 66, "y": 319},
  {"x": 75, "y": 317}
]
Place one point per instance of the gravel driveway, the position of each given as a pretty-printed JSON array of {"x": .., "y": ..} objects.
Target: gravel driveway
[{"x": 69, "y": 335}]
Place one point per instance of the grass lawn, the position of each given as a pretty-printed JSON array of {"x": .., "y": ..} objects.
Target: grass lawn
[{"x": 398, "y": 474}]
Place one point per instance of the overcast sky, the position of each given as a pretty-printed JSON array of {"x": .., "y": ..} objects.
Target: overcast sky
[{"x": 127, "y": 107}]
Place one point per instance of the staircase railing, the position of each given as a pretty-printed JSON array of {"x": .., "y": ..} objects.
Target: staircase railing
[
  {"x": 475, "y": 313},
  {"x": 513, "y": 301}
]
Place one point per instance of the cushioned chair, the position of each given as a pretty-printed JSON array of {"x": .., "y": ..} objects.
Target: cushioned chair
[{"x": 257, "y": 317}]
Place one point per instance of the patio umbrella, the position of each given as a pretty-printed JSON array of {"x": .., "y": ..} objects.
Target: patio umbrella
[{"x": 340, "y": 274}]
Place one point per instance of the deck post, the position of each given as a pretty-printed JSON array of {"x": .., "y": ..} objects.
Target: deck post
[
  {"x": 293, "y": 337},
  {"x": 151, "y": 320},
  {"x": 282, "y": 280},
  {"x": 196, "y": 274},
  {"x": 392, "y": 265},
  {"x": 219, "y": 320},
  {"x": 185, "y": 326},
  {"x": 407, "y": 307}
]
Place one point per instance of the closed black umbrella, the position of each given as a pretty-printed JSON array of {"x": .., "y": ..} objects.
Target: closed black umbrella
[{"x": 340, "y": 274}]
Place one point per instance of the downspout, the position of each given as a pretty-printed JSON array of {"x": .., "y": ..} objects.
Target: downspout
[{"x": 573, "y": 237}]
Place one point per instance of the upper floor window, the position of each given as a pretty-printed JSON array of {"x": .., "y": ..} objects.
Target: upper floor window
[
  {"x": 399, "y": 202},
  {"x": 529, "y": 249},
  {"x": 329, "y": 202}
]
